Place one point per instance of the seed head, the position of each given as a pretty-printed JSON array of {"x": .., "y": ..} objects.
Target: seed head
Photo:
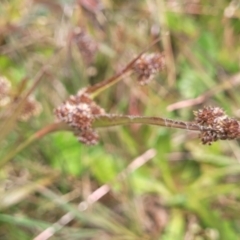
[
  {"x": 148, "y": 65},
  {"x": 79, "y": 112},
  {"x": 88, "y": 137},
  {"x": 86, "y": 45},
  {"x": 208, "y": 115},
  {"x": 31, "y": 108},
  {"x": 218, "y": 126}
]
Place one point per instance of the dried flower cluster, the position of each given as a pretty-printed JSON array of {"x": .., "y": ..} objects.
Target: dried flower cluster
[
  {"x": 30, "y": 109},
  {"x": 148, "y": 65},
  {"x": 79, "y": 112},
  {"x": 218, "y": 125},
  {"x": 86, "y": 45},
  {"x": 5, "y": 87},
  {"x": 31, "y": 106}
]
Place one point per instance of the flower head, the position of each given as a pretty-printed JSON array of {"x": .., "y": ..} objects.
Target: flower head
[
  {"x": 86, "y": 45},
  {"x": 148, "y": 65},
  {"x": 31, "y": 108},
  {"x": 219, "y": 125},
  {"x": 79, "y": 112}
]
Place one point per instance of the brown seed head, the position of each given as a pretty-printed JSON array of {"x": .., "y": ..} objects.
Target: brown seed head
[
  {"x": 79, "y": 112},
  {"x": 148, "y": 65},
  {"x": 219, "y": 125},
  {"x": 86, "y": 45},
  {"x": 31, "y": 108},
  {"x": 208, "y": 115},
  {"x": 88, "y": 137}
]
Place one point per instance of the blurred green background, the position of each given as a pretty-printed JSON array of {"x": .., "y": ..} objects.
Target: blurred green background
[{"x": 184, "y": 190}]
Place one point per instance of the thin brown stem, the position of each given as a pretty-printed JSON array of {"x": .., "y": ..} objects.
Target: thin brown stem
[
  {"x": 166, "y": 40},
  {"x": 108, "y": 120},
  {"x": 101, "y": 86},
  {"x": 36, "y": 136},
  {"x": 9, "y": 123}
]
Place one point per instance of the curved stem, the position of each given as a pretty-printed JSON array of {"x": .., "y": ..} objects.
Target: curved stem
[
  {"x": 101, "y": 86},
  {"x": 10, "y": 122},
  {"x": 106, "y": 120},
  {"x": 38, "y": 135}
]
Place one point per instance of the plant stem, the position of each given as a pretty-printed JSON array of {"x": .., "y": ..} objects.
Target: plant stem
[
  {"x": 38, "y": 135},
  {"x": 108, "y": 120},
  {"x": 101, "y": 86},
  {"x": 9, "y": 124}
]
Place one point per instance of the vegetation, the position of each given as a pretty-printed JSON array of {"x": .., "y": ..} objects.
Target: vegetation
[{"x": 112, "y": 123}]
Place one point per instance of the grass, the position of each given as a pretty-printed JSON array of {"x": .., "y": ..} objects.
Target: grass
[{"x": 140, "y": 181}]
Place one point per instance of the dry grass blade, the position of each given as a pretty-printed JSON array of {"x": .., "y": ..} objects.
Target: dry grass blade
[
  {"x": 8, "y": 125},
  {"x": 36, "y": 136},
  {"x": 227, "y": 84},
  {"x": 95, "y": 196},
  {"x": 17, "y": 194}
]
